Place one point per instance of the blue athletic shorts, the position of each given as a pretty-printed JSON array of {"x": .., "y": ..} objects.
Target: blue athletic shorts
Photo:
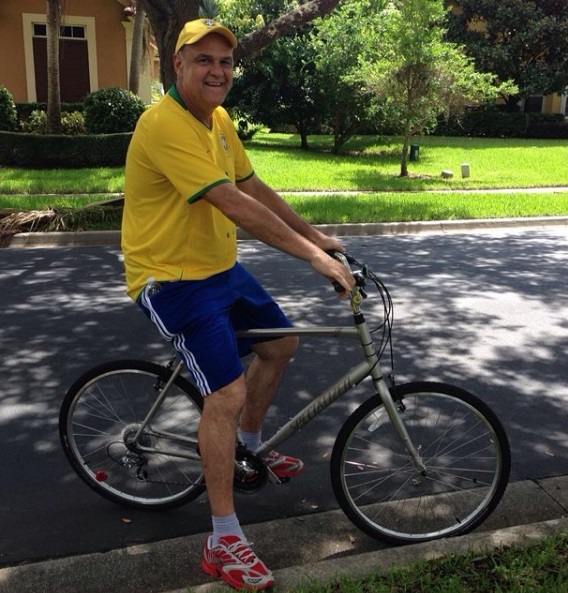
[{"x": 200, "y": 317}]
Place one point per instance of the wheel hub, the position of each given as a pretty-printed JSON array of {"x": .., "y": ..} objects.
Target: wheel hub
[{"x": 129, "y": 434}]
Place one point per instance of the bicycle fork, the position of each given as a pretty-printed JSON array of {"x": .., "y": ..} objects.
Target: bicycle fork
[{"x": 384, "y": 392}]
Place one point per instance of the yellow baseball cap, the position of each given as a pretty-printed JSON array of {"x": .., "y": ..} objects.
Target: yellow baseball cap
[{"x": 193, "y": 31}]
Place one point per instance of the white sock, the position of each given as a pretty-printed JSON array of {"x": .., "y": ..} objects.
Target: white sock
[
  {"x": 251, "y": 440},
  {"x": 228, "y": 525}
]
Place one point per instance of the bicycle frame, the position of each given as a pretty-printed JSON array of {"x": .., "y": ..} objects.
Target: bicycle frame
[
  {"x": 445, "y": 481},
  {"x": 370, "y": 367}
]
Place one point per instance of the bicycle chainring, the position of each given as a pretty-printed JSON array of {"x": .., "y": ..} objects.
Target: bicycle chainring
[{"x": 250, "y": 472}]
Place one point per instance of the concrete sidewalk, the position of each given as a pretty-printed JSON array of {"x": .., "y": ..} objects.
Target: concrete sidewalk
[{"x": 318, "y": 547}]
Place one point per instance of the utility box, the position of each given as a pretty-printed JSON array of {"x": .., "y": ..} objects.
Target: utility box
[{"x": 414, "y": 152}]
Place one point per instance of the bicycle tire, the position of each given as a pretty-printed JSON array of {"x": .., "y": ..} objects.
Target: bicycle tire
[
  {"x": 102, "y": 410},
  {"x": 462, "y": 443}
]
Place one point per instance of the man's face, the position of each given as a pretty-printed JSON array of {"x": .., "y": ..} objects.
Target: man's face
[{"x": 205, "y": 73}]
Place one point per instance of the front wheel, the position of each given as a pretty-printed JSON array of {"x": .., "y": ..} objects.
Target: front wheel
[
  {"x": 463, "y": 446},
  {"x": 100, "y": 418}
]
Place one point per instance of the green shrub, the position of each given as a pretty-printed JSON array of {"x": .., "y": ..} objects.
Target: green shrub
[
  {"x": 36, "y": 123},
  {"x": 25, "y": 109},
  {"x": 553, "y": 129},
  {"x": 546, "y": 118},
  {"x": 71, "y": 123},
  {"x": 485, "y": 121},
  {"x": 51, "y": 151},
  {"x": 112, "y": 110},
  {"x": 8, "y": 115}
]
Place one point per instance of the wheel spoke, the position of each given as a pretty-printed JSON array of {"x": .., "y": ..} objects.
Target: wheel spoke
[
  {"x": 99, "y": 419},
  {"x": 464, "y": 450}
]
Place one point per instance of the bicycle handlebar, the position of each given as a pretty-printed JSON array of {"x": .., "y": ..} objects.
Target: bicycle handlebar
[
  {"x": 347, "y": 260},
  {"x": 362, "y": 274}
]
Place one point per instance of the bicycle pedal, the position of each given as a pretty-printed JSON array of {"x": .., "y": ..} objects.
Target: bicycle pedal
[{"x": 274, "y": 479}]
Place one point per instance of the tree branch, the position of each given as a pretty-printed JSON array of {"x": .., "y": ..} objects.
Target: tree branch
[{"x": 286, "y": 24}]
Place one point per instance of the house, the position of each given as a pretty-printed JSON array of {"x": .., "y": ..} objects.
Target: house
[{"x": 95, "y": 49}]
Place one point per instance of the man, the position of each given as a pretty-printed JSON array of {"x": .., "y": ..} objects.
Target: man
[{"x": 188, "y": 185}]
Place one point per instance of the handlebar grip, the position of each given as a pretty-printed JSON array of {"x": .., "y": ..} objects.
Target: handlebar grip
[
  {"x": 350, "y": 259},
  {"x": 332, "y": 253}
]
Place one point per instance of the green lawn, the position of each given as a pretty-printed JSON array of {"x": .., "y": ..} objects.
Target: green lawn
[
  {"x": 406, "y": 207},
  {"x": 369, "y": 168},
  {"x": 374, "y": 163},
  {"x": 538, "y": 568}
]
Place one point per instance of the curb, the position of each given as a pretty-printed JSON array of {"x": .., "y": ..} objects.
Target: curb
[
  {"x": 112, "y": 238},
  {"x": 327, "y": 571},
  {"x": 313, "y": 547}
]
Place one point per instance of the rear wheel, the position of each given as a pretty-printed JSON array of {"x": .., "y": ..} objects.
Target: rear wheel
[
  {"x": 102, "y": 413},
  {"x": 462, "y": 444}
]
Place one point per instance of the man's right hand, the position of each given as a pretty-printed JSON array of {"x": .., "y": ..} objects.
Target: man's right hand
[{"x": 334, "y": 271}]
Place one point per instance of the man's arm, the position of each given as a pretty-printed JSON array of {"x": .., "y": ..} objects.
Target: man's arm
[
  {"x": 267, "y": 226},
  {"x": 261, "y": 192}
]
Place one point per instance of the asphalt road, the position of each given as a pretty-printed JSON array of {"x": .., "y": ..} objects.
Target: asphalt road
[{"x": 485, "y": 310}]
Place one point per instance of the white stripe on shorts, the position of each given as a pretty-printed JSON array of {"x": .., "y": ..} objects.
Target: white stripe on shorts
[{"x": 178, "y": 341}]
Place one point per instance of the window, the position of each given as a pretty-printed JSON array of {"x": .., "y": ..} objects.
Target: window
[
  {"x": 66, "y": 32},
  {"x": 73, "y": 32},
  {"x": 533, "y": 104},
  {"x": 40, "y": 30},
  {"x": 74, "y": 77}
]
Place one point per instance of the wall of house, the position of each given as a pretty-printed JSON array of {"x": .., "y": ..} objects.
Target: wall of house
[
  {"x": 554, "y": 103},
  {"x": 12, "y": 61},
  {"x": 107, "y": 31}
]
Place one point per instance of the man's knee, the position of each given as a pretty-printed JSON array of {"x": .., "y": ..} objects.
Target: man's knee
[
  {"x": 280, "y": 349},
  {"x": 226, "y": 402}
]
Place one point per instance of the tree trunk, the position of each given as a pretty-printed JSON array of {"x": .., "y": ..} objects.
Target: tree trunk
[
  {"x": 54, "y": 12},
  {"x": 167, "y": 18},
  {"x": 137, "y": 49},
  {"x": 404, "y": 153}
]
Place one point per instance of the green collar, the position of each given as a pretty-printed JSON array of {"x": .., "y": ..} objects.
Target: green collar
[{"x": 173, "y": 93}]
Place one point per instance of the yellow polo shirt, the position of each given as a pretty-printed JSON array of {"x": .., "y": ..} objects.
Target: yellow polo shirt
[{"x": 168, "y": 232}]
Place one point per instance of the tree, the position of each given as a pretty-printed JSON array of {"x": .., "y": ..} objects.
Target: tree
[
  {"x": 522, "y": 40},
  {"x": 137, "y": 50},
  {"x": 55, "y": 10},
  {"x": 282, "y": 89},
  {"x": 167, "y": 18},
  {"x": 417, "y": 73},
  {"x": 346, "y": 106}
]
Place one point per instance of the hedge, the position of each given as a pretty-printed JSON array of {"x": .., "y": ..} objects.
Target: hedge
[
  {"x": 25, "y": 109},
  {"x": 57, "y": 151},
  {"x": 490, "y": 122}
]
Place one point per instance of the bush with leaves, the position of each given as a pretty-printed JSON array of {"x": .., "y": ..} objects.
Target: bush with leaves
[
  {"x": 36, "y": 123},
  {"x": 8, "y": 114},
  {"x": 71, "y": 123},
  {"x": 112, "y": 110}
]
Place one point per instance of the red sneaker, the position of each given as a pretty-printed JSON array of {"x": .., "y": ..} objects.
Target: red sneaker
[
  {"x": 234, "y": 561},
  {"x": 283, "y": 466}
]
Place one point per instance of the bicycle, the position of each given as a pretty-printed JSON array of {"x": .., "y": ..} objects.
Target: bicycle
[{"x": 415, "y": 462}]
